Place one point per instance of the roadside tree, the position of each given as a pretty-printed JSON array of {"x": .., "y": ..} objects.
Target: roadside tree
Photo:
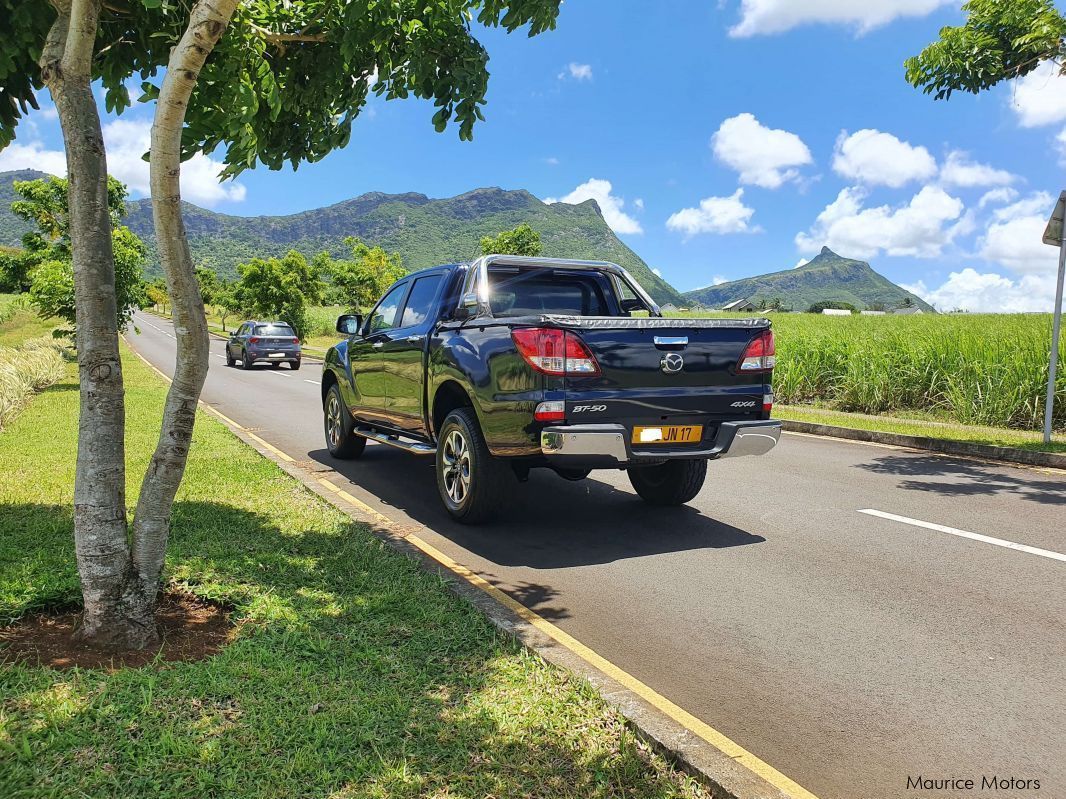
[
  {"x": 283, "y": 85},
  {"x": 523, "y": 240},
  {"x": 1001, "y": 39},
  {"x": 359, "y": 282},
  {"x": 276, "y": 289}
]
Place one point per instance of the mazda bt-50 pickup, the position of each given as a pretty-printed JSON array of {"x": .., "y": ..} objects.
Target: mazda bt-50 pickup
[{"x": 510, "y": 363}]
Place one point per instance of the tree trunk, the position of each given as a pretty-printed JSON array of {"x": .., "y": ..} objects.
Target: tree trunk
[
  {"x": 112, "y": 617},
  {"x": 151, "y": 525}
]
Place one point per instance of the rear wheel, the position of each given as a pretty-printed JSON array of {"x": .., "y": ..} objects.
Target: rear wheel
[
  {"x": 672, "y": 483},
  {"x": 294, "y": 365},
  {"x": 341, "y": 440},
  {"x": 473, "y": 484}
]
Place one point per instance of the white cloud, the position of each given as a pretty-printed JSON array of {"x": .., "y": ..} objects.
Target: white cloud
[
  {"x": 876, "y": 158},
  {"x": 611, "y": 206},
  {"x": 776, "y": 16},
  {"x": 763, "y": 156},
  {"x": 126, "y": 140},
  {"x": 714, "y": 215},
  {"x": 971, "y": 290},
  {"x": 959, "y": 170},
  {"x": 33, "y": 156},
  {"x": 639, "y": 203},
  {"x": 1060, "y": 145},
  {"x": 657, "y": 272},
  {"x": 1013, "y": 238},
  {"x": 801, "y": 262},
  {"x": 551, "y": 161},
  {"x": 1039, "y": 98},
  {"x": 998, "y": 197},
  {"x": 921, "y": 228},
  {"x": 577, "y": 71}
]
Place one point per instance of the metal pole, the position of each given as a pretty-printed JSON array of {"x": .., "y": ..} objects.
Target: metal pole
[{"x": 1049, "y": 404}]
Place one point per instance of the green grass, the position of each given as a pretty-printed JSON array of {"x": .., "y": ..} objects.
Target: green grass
[
  {"x": 995, "y": 436},
  {"x": 971, "y": 369},
  {"x": 353, "y": 673}
]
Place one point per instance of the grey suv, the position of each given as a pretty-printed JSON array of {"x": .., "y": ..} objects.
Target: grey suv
[{"x": 258, "y": 342}]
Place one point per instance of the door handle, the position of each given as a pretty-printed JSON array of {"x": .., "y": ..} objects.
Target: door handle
[
  {"x": 413, "y": 338},
  {"x": 378, "y": 345}
]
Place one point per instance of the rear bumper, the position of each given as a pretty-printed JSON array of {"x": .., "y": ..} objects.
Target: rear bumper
[{"x": 605, "y": 445}]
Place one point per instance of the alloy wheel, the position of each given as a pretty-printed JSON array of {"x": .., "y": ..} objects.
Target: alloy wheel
[{"x": 456, "y": 462}]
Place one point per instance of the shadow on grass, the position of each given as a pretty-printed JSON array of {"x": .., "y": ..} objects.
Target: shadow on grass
[
  {"x": 952, "y": 477},
  {"x": 353, "y": 674}
]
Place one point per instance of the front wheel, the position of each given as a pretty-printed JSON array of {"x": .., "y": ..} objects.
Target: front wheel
[
  {"x": 341, "y": 440},
  {"x": 230, "y": 360},
  {"x": 672, "y": 483},
  {"x": 473, "y": 484},
  {"x": 246, "y": 360}
]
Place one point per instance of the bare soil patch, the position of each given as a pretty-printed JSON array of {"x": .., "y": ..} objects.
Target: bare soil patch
[{"x": 190, "y": 629}]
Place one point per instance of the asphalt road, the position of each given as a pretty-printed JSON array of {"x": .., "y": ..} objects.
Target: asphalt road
[{"x": 850, "y": 651}]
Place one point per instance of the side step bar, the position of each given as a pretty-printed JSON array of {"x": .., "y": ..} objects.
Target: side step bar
[{"x": 393, "y": 440}]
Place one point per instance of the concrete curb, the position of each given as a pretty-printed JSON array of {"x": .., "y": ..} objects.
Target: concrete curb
[{"x": 939, "y": 445}]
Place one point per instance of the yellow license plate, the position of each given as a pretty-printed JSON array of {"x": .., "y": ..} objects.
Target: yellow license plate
[{"x": 669, "y": 434}]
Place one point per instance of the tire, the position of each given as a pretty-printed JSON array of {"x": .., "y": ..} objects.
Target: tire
[
  {"x": 672, "y": 483},
  {"x": 294, "y": 365},
  {"x": 246, "y": 361},
  {"x": 473, "y": 484},
  {"x": 337, "y": 423},
  {"x": 230, "y": 361}
]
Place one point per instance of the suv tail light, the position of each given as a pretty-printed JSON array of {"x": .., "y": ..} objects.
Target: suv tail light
[
  {"x": 555, "y": 352},
  {"x": 296, "y": 341},
  {"x": 759, "y": 355},
  {"x": 253, "y": 340}
]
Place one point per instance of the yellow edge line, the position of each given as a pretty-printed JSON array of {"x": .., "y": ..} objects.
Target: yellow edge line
[{"x": 718, "y": 740}]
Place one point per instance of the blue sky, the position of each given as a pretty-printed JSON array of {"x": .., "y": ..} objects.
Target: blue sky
[{"x": 723, "y": 139}]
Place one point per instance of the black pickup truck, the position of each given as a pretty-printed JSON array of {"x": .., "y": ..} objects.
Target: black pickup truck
[{"x": 509, "y": 363}]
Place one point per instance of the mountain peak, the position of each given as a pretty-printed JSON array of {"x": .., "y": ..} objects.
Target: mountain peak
[{"x": 827, "y": 251}]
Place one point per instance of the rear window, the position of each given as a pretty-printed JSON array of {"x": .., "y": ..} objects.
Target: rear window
[
  {"x": 274, "y": 330},
  {"x": 542, "y": 291}
]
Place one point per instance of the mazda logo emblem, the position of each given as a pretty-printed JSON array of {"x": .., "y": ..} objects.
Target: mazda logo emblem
[{"x": 671, "y": 362}]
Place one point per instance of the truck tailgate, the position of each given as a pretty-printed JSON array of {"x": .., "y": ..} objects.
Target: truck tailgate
[{"x": 661, "y": 370}]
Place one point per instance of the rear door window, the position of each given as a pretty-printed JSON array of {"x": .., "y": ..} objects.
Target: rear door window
[{"x": 419, "y": 304}]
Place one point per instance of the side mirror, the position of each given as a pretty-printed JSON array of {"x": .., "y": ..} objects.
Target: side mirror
[
  {"x": 349, "y": 324},
  {"x": 633, "y": 304}
]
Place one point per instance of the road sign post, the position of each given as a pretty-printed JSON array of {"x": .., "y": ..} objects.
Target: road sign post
[{"x": 1053, "y": 235}]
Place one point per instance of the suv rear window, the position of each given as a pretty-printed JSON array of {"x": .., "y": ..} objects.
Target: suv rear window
[
  {"x": 543, "y": 291},
  {"x": 274, "y": 330}
]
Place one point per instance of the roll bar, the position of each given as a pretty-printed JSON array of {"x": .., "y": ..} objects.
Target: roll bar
[{"x": 475, "y": 295}]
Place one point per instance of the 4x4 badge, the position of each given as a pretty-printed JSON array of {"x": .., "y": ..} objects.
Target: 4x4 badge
[{"x": 671, "y": 362}]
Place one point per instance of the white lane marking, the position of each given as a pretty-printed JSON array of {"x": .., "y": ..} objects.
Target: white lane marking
[
  {"x": 216, "y": 355},
  {"x": 312, "y": 382},
  {"x": 278, "y": 373},
  {"x": 987, "y": 539}
]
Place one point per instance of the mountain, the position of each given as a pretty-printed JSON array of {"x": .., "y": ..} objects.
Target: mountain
[
  {"x": 826, "y": 277},
  {"x": 424, "y": 231}
]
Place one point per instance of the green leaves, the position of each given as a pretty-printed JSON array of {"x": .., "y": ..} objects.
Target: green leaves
[
  {"x": 523, "y": 240},
  {"x": 1002, "y": 39}
]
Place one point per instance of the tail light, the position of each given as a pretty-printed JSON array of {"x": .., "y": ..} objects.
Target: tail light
[
  {"x": 767, "y": 403},
  {"x": 550, "y": 411},
  {"x": 759, "y": 355},
  {"x": 555, "y": 352},
  {"x": 296, "y": 341},
  {"x": 253, "y": 340}
]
